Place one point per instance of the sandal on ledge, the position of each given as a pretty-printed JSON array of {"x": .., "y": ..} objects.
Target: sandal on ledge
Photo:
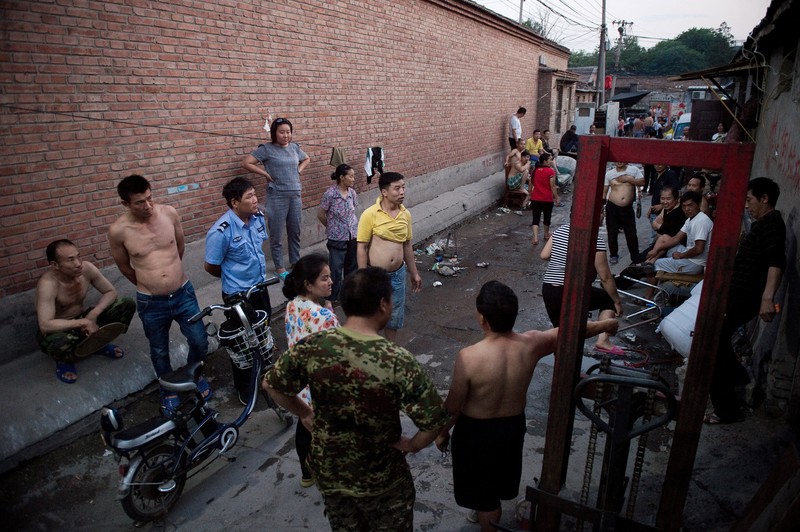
[
  {"x": 170, "y": 402},
  {"x": 111, "y": 351},
  {"x": 63, "y": 369},
  {"x": 205, "y": 389}
]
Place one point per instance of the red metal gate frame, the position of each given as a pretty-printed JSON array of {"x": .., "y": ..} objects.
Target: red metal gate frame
[{"x": 734, "y": 161}]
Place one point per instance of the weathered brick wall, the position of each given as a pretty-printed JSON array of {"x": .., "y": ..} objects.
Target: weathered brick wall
[{"x": 177, "y": 91}]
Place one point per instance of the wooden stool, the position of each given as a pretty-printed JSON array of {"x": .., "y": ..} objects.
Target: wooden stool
[
  {"x": 679, "y": 279},
  {"x": 514, "y": 197}
]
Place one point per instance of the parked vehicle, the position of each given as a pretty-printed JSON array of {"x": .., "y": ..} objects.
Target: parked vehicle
[
  {"x": 679, "y": 127},
  {"x": 157, "y": 456}
]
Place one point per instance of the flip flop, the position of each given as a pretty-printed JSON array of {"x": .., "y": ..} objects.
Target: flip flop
[
  {"x": 283, "y": 275},
  {"x": 205, "y": 389},
  {"x": 170, "y": 402},
  {"x": 616, "y": 350},
  {"x": 110, "y": 351},
  {"x": 62, "y": 368}
]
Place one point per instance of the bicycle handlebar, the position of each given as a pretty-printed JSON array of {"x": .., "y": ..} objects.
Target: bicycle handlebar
[{"x": 211, "y": 308}]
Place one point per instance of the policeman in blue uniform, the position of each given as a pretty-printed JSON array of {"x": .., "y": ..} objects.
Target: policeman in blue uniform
[{"x": 234, "y": 252}]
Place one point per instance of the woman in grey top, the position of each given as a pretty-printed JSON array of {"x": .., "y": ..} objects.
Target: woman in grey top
[{"x": 284, "y": 163}]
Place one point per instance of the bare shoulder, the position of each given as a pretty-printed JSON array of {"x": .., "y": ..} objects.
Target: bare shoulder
[
  {"x": 540, "y": 342},
  {"x": 116, "y": 229},
  {"x": 90, "y": 271},
  {"x": 169, "y": 211},
  {"x": 473, "y": 357},
  {"x": 468, "y": 353},
  {"x": 47, "y": 284}
]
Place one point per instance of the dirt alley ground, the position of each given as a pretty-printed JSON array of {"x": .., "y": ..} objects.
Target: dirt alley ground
[{"x": 74, "y": 487}]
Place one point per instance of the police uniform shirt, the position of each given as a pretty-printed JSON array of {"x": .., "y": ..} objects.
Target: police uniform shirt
[{"x": 237, "y": 248}]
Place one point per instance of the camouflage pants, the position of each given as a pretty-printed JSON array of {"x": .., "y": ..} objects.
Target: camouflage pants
[
  {"x": 392, "y": 511},
  {"x": 61, "y": 345}
]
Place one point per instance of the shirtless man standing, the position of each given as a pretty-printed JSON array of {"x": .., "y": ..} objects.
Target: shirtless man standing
[
  {"x": 487, "y": 401},
  {"x": 384, "y": 240},
  {"x": 63, "y": 322},
  {"x": 147, "y": 245},
  {"x": 620, "y": 193}
]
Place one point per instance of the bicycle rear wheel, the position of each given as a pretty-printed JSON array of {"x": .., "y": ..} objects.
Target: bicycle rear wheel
[{"x": 144, "y": 501}]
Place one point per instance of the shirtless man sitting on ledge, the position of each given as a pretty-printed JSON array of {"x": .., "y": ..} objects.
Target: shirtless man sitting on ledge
[
  {"x": 384, "y": 240},
  {"x": 64, "y": 323}
]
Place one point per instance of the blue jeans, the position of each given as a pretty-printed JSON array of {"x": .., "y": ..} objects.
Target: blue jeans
[
  {"x": 342, "y": 260},
  {"x": 284, "y": 210},
  {"x": 398, "y": 280},
  {"x": 157, "y": 314}
]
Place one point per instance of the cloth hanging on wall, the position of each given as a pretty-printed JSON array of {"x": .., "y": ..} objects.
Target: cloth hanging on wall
[{"x": 338, "y": 157}]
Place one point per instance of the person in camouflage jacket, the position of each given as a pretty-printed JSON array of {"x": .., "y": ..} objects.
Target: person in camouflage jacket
[{"x": 359, "y": 384}]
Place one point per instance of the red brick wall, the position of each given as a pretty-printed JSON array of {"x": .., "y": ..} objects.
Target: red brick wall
[{"x": 177, "y": 91}]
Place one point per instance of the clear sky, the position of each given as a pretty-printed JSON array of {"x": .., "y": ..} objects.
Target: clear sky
[{"x": 577, "y": 22}]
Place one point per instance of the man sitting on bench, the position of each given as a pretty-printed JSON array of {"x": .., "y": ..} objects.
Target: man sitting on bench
[{"x": 691, "y": 258}]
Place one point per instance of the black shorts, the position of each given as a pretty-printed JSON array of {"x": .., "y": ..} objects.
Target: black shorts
[
  {"x": 487, "y": 460},
  {"x": 552, "y": 294},
  {"x": 539, "y": 207}
]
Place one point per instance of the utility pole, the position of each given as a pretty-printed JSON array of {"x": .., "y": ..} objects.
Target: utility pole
[
  {"x": 622, "y": 25},
  {"x": 601, "y": 67},
  {"x": 520, "y": 10}
]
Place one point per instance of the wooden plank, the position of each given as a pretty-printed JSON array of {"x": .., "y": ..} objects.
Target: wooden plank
[
  {"x": 584, "y": 225},
  {"x": 737, "y": 159},
  {"x": 711, "y": 155}
]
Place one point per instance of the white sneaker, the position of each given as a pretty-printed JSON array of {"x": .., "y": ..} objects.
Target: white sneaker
[{"x": 472, "y": 516}]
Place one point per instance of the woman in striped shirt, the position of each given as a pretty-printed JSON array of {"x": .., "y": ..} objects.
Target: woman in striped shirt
[{"x": 606, "y": 300}]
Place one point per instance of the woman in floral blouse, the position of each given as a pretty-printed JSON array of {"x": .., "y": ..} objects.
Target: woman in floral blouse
[
  {"x": 337, "y": 212},
  {"x": 307, "y": 312}
]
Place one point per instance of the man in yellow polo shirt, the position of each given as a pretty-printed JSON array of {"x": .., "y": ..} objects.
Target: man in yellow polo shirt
[
  {"x": 534, "y": 145},
  {"x": 384, "y": 240}
]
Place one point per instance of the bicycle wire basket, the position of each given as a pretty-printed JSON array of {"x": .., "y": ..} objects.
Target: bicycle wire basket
[{"x": 235, "y": 341}]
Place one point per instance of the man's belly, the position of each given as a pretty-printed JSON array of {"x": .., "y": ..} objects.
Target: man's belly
[
  {"x": 385, "y": 254},
  {"x": 160, "y": 281},
  {"x": 622, "y": 196}
]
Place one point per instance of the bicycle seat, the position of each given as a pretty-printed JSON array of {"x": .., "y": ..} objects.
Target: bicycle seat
[
  {"x": 143, "y": 434},
  {"x": 183, "y": 379}
]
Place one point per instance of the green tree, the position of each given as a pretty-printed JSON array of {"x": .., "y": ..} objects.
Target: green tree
[
  {"x": 672, "y": 57},
  {"x": 694, "y": 49},
  {"x": 716, "y": 45},
  {"x": 581, "y": 58},
  {"x": 631, "y": 58}
]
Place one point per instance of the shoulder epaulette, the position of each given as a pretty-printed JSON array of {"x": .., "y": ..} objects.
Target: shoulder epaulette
[{"x": 222, "y": 226}]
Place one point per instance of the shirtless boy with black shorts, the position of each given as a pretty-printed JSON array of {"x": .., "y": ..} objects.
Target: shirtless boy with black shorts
[{"x": 487, "y": 401}]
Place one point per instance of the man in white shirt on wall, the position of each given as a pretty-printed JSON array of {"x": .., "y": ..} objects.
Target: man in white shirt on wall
[{"x": 515, "y": 127}]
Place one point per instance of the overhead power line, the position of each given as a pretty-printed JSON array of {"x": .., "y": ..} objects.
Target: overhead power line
[
  {"x": 582, "y": 15},
  {"x": 568, "y": 19}
]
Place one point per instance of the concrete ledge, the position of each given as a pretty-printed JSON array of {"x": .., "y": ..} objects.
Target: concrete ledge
[{"x": 39, "y": 406}]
